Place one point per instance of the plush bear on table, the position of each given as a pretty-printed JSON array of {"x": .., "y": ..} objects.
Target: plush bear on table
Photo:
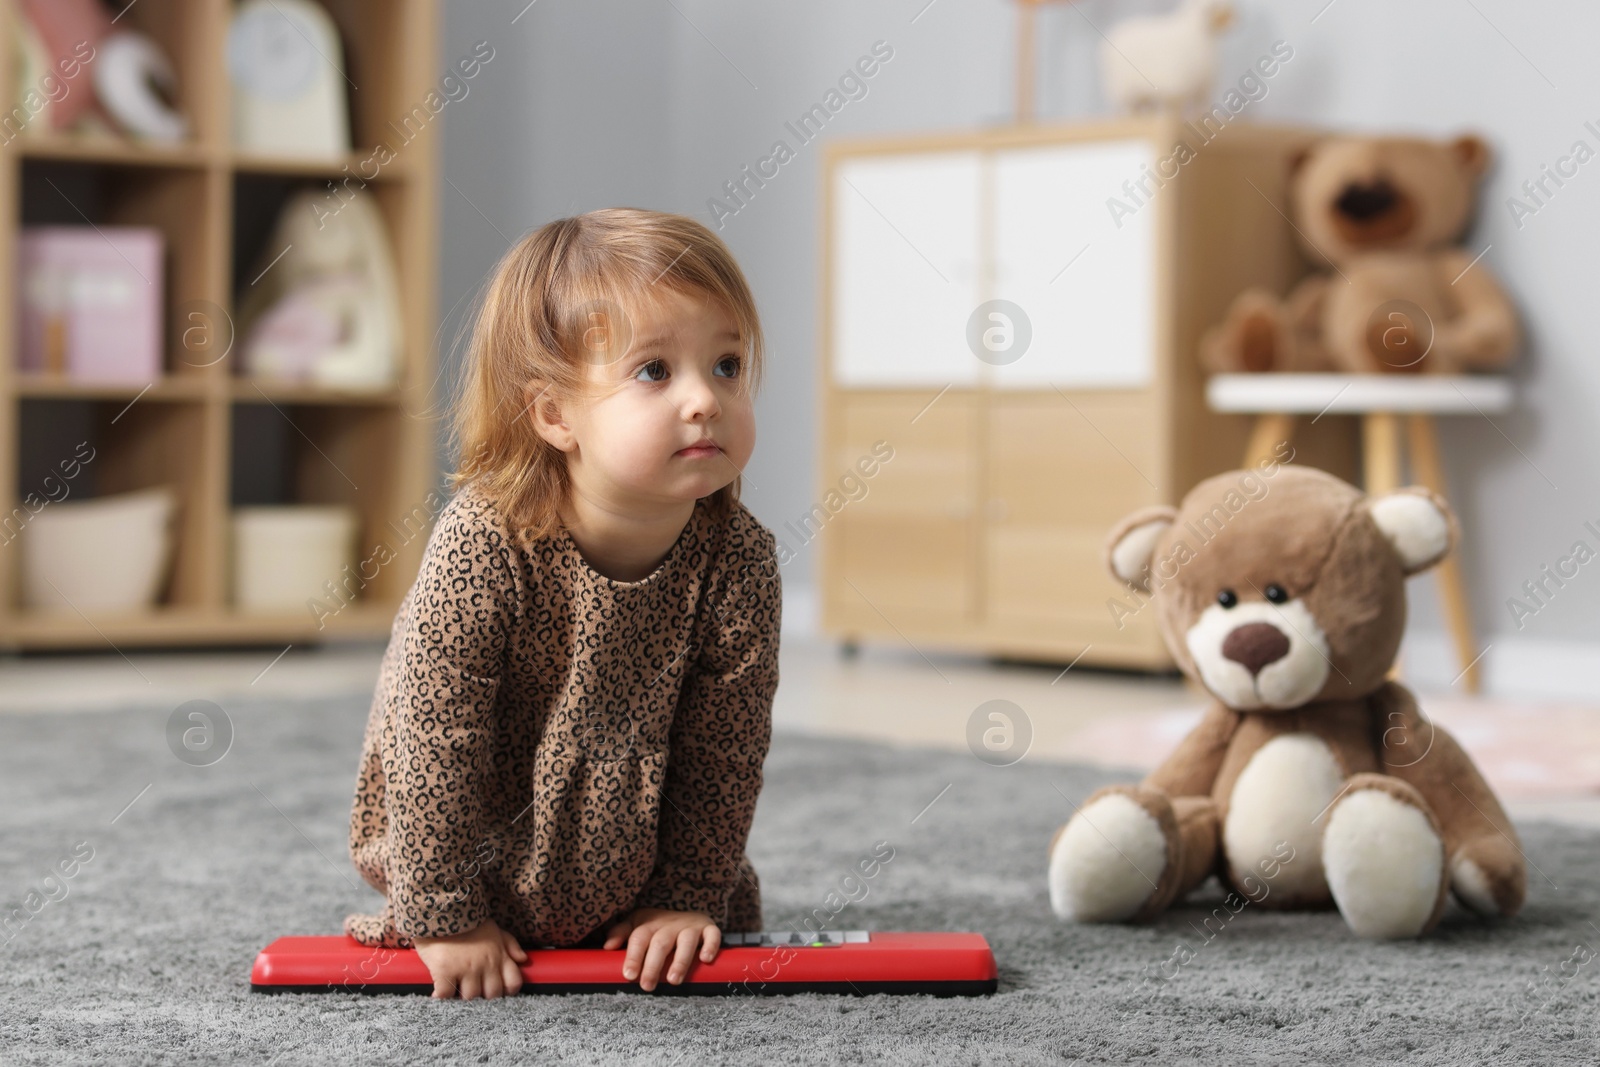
[
  {"x": 1399, "y": 295},
  {"x": 1282, "y": 591}
]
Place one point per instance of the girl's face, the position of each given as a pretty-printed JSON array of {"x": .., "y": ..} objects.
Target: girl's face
[{"x": 641, "y": 434}]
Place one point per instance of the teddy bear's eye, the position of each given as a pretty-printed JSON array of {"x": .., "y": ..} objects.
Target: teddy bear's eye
[
  {"x": 1227, "y": 598},
  {"x": 1277, "y": 594}
]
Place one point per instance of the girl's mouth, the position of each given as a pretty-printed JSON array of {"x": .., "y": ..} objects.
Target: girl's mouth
[{"x": 699, "y": 451}]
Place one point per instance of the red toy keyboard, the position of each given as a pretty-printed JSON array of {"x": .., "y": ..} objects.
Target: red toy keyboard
[{"x": 852, "y": 961}]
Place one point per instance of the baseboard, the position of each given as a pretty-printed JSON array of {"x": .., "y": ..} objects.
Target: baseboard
[{"x": 1512, "y": 667}]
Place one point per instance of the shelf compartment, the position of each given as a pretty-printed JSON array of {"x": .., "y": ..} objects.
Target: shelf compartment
[
  {"x": 259, "y": 200},
  {"x": 187, "y": 32},
  {"x": 384, "y": 43},
  {"x": 174, "y": 200},
  {"x": 333, "y": 454},
  {"x": 137, "y": 445},
  {"x": 184, "y": 31}
]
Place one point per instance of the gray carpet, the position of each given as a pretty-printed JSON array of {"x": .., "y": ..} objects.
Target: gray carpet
[{"x": 147, "y": 957}]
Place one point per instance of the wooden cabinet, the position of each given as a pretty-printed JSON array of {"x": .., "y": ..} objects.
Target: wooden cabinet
[{"x": 985, "y": 529}]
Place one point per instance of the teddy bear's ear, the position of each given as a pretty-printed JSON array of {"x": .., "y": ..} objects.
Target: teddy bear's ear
[
  {"x": 1133, "y": 542},
  {"x": 1472, "y": 152},
  {"x": 1417, "y": 524}
]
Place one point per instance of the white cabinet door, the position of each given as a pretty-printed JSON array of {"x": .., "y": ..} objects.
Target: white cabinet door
[
  {"x": 905, "y": 269},
  {"x": 1087, "y": 284}
]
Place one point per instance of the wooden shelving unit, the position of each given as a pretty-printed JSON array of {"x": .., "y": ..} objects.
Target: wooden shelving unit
[{"x": 221, "y": 440}]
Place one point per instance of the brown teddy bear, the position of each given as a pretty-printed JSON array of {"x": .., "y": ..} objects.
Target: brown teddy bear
[
  {"x": 1385, "y": 213},
  {"x": 1312, "y": 777}
]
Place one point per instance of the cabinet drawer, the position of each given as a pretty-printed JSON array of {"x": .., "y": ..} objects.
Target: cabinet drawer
[
  {"x": 1054, "y": 576},
  {"x": 932, "y": 469},
  {"x": 915, "y": 571},
  {"x": 1085, "y": 461}
]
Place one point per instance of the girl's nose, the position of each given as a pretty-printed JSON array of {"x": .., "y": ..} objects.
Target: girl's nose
[{"x": 698, "y": 399}]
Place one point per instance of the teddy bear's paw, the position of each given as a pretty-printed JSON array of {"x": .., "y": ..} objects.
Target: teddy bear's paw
[
  {"x": 1489, "y": 877},
  {"x": 1253, "y": 337},
  {"x": 1384, "y": 863},
  {"x": 1107, "y": 862},
  {"x": 1471, "y": 886}
]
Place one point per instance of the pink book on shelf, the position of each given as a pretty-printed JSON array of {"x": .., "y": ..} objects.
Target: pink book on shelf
[{"x": 90, "y": 302}]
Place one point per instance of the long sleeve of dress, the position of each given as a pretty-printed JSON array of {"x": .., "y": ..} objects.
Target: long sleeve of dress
[
  {"x": 441, "y": 708},
  {"x": 719, "y": 738}
]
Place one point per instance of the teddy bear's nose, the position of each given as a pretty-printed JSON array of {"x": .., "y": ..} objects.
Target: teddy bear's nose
[
  {"x": 1366, "y": 201},
  {"x": 1254, "y": 645}
]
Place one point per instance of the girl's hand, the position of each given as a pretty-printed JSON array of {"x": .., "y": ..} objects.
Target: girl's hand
[
  {"x": 481, "y": 961},
  {"x": 654, "y": 935}
]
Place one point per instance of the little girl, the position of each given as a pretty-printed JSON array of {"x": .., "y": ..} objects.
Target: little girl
[{"x": 567, "y": 737}]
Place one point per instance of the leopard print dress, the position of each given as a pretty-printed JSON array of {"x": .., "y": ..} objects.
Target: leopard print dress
[{"x": 550, "y": 748}]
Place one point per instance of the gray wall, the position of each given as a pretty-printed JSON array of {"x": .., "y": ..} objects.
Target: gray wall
[{"x": 656, "y": 103}]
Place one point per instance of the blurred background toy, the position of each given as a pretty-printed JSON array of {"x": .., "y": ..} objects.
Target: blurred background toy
[
  {"x": 284, "y": 60},
  {"x": 130, "y": 87},
  {"x": 1401, "y": 296},
  {"x": 136, "y": 84},
  {"x": 91, "y": 301},
  {"x": 328, "y": 310},
  {"x": 1164, "y": 61}
]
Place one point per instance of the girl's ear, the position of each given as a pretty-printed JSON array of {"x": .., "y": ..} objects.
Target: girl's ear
[{"x": 543, "y": 409}]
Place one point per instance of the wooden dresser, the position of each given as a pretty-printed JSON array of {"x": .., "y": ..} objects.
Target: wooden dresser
[{"x": 983, "y": 529}]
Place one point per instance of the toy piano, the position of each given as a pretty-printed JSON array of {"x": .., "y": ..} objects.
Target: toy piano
[{"x": 754, "y": 964}]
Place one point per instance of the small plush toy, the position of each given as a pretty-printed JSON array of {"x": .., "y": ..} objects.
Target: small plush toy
[
  {"x": 1164, "y": 61},
  {"x": 1400, "y": 296},
  {"x": 325, "y": 306},
  {"x": 1312, "y": 777}
]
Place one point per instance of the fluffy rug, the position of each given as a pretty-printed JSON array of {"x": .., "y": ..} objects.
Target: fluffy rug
[{"x": 146, "y": 958}]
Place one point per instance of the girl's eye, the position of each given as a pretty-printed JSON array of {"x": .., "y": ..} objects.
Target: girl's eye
[
  {"x": 729, "y": 361},
  {"x": 651, "y": 368}
]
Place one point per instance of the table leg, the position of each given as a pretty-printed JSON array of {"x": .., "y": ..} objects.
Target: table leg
[
  {"x": 1271, "y": 429},
  {"x": 1380, "y": 452},
  {"x": 1424, "y": 444},
  {"x": 1380, "y": 461}
]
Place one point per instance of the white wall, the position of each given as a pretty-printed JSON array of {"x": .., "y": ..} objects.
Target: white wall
[{"x": 656, "y": 104}]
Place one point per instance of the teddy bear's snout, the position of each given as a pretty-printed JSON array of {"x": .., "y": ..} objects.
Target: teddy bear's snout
[
  {"x": 1254, "y": 645},
  {"x": 1364, "y": 201},
  {"x": 1375, "y": 210}
]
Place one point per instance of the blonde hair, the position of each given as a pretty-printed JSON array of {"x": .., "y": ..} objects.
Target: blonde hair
[{"x": 537, "y": 323}]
